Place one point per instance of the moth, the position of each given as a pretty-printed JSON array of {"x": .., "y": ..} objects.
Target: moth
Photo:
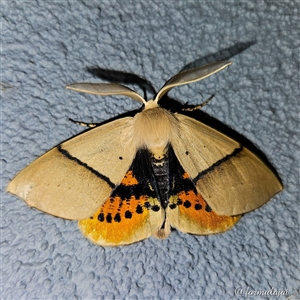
[{"x": 141, "y": 175}]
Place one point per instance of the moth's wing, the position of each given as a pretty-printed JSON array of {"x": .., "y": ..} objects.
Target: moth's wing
[
  {"x": 230, "y": 178},
  {"x": 73, "y": 179},
  {"x": 187, "y": 210},
  {"x": 133, "y": 211}
]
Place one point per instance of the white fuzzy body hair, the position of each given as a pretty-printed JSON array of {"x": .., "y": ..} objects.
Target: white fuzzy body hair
[{"x": 154, "y": 128}]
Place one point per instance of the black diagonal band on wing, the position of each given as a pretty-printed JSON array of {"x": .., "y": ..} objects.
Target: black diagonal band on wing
[
  {"x": 234, "y": 153},
  {"x": 66, "y": 154}
]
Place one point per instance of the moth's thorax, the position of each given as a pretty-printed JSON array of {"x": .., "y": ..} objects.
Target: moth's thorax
[{"x": 154, "y": 129}]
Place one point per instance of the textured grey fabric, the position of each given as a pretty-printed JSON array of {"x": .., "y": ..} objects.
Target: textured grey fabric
[{"x": 47, "y": 44}]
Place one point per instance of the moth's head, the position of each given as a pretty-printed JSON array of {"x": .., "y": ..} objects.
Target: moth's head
[{"x": 150, "y": 104}]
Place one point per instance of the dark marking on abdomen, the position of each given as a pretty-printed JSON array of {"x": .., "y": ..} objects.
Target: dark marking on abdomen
[{"x": 161, "y": 173}]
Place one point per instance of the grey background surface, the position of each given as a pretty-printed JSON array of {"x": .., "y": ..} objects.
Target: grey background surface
[{"x": 47, "y": 44}]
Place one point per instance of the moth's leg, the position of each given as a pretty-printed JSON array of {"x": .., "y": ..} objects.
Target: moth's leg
[
  {"x": 198, "y": 106},
  {"x": 90, "y": 125}
]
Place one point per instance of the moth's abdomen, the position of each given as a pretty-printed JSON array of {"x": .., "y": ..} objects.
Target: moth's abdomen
[{"x": 161, "y": 173}]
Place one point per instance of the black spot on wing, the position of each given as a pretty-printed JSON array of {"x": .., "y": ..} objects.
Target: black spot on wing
[
  {"x": 155, "y": 208},
  {"x": 208, "y": 208},
  {"x": 117, "y": 217},
  {"x": 128, "y": 214},
  {"x": 139, "y": 209},
  {"x": 187, "y": 204},
  {"x": 101, "y": 217},
  {"x": 198, "y": 206},
  {"x": 108, "y": 218}
]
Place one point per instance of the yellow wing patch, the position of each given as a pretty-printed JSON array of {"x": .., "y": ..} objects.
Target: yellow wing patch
[{"x": 119, "y": 222}]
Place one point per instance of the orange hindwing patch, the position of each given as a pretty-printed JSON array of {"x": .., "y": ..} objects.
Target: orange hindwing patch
[{"x": 131, "y": 213}]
